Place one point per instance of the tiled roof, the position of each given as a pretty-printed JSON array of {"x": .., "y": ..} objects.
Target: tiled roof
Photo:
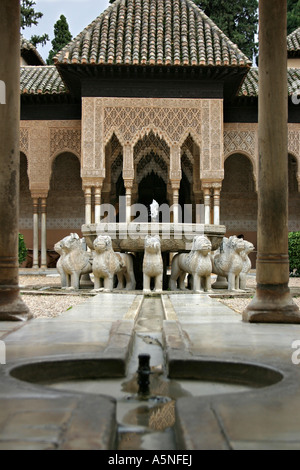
[
  {"x": 250, "y": 85},
  {"x": 29, "y": 51},
  {"x": 152, "y": 32},
  {"x": 293, "y": 42},
  {"x": 41, "y": 80}
]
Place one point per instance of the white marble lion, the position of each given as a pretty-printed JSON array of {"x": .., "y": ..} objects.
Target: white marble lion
[
  {"x": 197, "y": 263},
  {"x": 228, "y": 262},
  {"x": 249, "y": 247},
  {"x": 107, "y": 264},
  {"x": 152, "y": 264},
  {"x": 74, "y": 261}
]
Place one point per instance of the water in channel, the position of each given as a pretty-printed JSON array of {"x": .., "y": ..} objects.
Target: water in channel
[{"x": 147, "y": 422}]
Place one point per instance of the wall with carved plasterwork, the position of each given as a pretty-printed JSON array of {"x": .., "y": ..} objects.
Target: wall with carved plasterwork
[
  {"x": 238, "y": 195},
  {"x": 65, "y": 202},
  {"x": 25, "y": 201},
  {"x": 170, "y": 119},
  {"x": 42, "y": 141},
  {"x": 294, "y": 195},
  {"x": 243, "y": 138}
]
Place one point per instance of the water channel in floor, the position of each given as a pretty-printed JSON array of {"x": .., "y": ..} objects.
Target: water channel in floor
[{"x": 147, "y": 422}]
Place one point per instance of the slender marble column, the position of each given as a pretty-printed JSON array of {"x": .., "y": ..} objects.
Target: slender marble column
[
  {"x": 217, "y": 206},
  {"x": 43, "y": 233},
  {"x": 12, "y": 306},
  {"x": 128, "y": 183},
  {"x": 88, "y": 205},
  {"x": 207, "y": 202},
  {"x": 97, "y": 205},
  {"x": 176, "y": 205},
  {"x": 35, "y": 262},
  {"x": 273, "y": 302}
]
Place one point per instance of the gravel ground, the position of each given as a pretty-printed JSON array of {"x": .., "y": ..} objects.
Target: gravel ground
[
  {"x": 51, "y": 305},
  {"x": 239, "y": 304},
  {"x": 47, "y": 305}
]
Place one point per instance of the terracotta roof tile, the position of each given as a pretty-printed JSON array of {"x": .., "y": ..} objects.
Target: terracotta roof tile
[
  {"x": 152, "y": 32},
  {"x": 41, "y": 80},
  {"x": 293, "y": 42},
  {"x": 29, "y": 52},
  {"x": 250, "y": 86}
]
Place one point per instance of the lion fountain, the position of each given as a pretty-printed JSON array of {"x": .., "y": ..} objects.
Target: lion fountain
[
  {"x": 197, "y": 263},
  {"x": 152, "y": 264},
  {"x": 74, "y": 261},
  {"x": 228, "y": 262},
  {"x": 107, "y": 264},
  {"x": 249, "y": 247}
]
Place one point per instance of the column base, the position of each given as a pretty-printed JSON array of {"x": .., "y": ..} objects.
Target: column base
[
  {"x": 12, "y": 307},
  {"x": 272, "y": 304},
  {"x": 220, "y": 283}
]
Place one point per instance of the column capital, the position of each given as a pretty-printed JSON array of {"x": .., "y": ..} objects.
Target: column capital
[
  {"x": 128, "y": 183},
  {"x": 214, "y": 184},
  {"x": 39, "y": 195},
  {"x": 175, "y": 184},
  {"x": 89, "y": 182}
]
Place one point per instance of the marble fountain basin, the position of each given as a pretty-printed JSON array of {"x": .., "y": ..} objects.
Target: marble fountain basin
[
  {"x": 233, "y": 373},
  {"x": 173, "y": 237}
]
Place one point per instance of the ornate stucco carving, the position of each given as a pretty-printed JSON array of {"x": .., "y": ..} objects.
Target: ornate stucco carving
[
  {"x": 62, "y": 140},
  {"x": 130, "y": 120}
]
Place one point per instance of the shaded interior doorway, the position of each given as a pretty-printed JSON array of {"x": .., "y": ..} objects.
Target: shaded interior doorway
[
  {"x": 185, "y": 200},
  {"x": 152, "y": 187}
]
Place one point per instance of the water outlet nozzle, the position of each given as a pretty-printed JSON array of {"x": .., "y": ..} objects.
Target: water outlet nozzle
[{"x": 144, "y": 372}]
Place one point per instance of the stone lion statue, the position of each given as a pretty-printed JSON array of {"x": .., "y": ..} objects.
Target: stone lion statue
[
  {"x": 197, "y": 263},
  {"x": 152, "y": 264},
  {"x": 74, "y": 261},
  {"x": 228, "y": 262},
  {"x": 249, "y": 247},
  {"x": 107, "y": 264}
]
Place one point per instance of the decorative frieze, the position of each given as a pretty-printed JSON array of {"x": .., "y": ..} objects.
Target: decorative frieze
[
  {"x": 24, "y": 140},
  {"x": 136, "y": 124},
  {"x": 62, "y": 140}
]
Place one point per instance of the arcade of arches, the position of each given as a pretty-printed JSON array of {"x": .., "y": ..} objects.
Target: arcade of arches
[{"x": 69, "y": 168}]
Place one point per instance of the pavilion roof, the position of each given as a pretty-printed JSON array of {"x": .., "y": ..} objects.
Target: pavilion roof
[
  {"x": 250, "y": 86},
  {"x": 293, "y": 43},
  {"x": 41, "y": 80},
  {"x": 30, "y": 53},
  {"x": 152, "y": 32}
]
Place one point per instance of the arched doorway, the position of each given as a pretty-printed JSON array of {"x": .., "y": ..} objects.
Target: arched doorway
[
  {"x": 294, "y": 195},
  {"x": 239, "y": 199},
  {"x": 65, "y": 202},
  {"x": 25, "y": 206}
]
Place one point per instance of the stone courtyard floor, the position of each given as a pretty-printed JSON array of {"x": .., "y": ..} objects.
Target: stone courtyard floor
[
  {"x": 69, "y": 380},
  {"x": 50, "y": 305}
]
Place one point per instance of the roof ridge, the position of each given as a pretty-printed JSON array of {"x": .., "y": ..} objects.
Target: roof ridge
[
  {"x": 214, "y": 25},
  {"x": 82, "y": 33},
  {"x": 121, "y": 38}
]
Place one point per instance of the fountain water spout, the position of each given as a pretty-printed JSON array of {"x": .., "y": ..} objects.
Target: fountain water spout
[{"x": 144, "y": 372}]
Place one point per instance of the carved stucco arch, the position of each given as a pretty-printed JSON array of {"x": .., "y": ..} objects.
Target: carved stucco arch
[
  {"x": 163, "y": 154},
  {"x": 114, "y": 131},
  {"x": 119, "y": 169},
  {"x": 55, "y": 156},
  {"x": 190, "y": 132},
  {"x": 27, "y": 164},
  {"x": 159, "y": 172},
  {"x": 251, "y": 158},
  {"x": 24, "y": 140},
  {"x": 145, "y": 131}
]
